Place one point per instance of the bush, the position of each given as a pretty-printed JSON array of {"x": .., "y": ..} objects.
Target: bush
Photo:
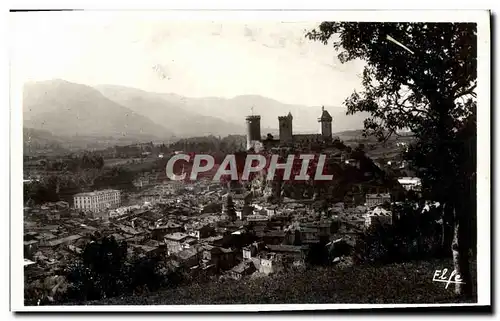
[{"x": 104, "y": 271}]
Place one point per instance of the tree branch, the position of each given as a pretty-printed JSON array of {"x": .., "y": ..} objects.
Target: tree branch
[{"x": 469, "y": 91}]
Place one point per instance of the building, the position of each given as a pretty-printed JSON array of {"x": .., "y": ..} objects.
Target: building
[
  {"x": 270, "y": 263},
  {"x": 378, "y": 215},
  {"x": 241, "y": 270},
  {"x": 178, "y": 241},
  {"x": 251, "y": 250},
  {"x": 325, "y": 124},
  {"x": 286, "y": 136},
  {"x": 377, "y": 199},
  {"x": 286, "y": 130},
  {"x": 159, "y": 232},
  {"x": 188, "y": 257},
  {"x": 97, "y": 201},
  {"x": 201, "y": 232},
  {"x": 253, "y": 131},
  {"x": 221, "y": 258},
  {"x": 410, "y": 183}
]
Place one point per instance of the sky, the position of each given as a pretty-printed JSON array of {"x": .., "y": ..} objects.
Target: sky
[{"x": 195, "y": 58}]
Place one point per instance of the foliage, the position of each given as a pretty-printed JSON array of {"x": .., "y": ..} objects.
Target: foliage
[
  {"x": 424, "y": 81},
  {"x": 116, "y": 177},
  {"x": 73, "y": 162},
  {"x": 105, "y": 270},
  {"x": 394, "y": 283},
  {"x": 414, "y": 234},
  {"x": 208, "y": 144},
  {"x": 429, "y": 90},
  {"x": 407, "y": 89},
  {"x": 63, "y": 185}
]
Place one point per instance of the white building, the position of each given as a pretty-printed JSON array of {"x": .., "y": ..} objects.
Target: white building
[
  {"x": 379, "y": 215},
  {"x": 97, "y": 201},
  {"x": 120, "y": 211},
  {"x": 410, "y": 183},
  {"x": 377, "y": 199}
]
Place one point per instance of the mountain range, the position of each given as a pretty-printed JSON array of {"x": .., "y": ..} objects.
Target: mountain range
[{"x": 73, "y": 111}]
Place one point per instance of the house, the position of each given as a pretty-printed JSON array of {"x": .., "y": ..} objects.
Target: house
[
  {"x": 251, "y": 250},
  {"x": 309, "y": 235},
  {"x": 274, "y": 237},
  {"x": 315, "y": 231},
  {"x": 270, "y": 210},
  {"x": 222, "y": 258},
  {"x": 146, "y": 250},
  {"x": 53, "y": 215},
  {"x": 66, "y": 240},
  {"x": 241, "y": 270},
  {"x": 270, "y": 263},
  {"x": 410, "y": 183},
  {"x": 176, "y": 242},
  {"x": 30, "y": 247},
  {"x": 291, "y": 251},
  {"x": 378, "y": 215},
  {"x": 188, "y": 258},
  {"x": 201, "y": 232},
  {"x": 44, "y": 237},
  {"x": 159, "y": 232},
  {"x": 377, "y": 199},
  {"x": 257, "y": 219}
]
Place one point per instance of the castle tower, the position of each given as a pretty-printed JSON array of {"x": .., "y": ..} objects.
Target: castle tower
[
  {"x": 286, "y": 129},
  {"x": 326, "y": 124},
  {"x": 253, "y": 130}
]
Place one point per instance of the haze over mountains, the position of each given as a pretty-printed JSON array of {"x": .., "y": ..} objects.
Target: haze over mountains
[{"x": 73, "y": 111}]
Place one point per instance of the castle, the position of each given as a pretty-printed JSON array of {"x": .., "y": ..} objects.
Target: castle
[{"x": 286, "y": 136}]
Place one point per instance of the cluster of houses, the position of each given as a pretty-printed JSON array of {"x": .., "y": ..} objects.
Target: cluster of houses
[{"x": 202, "y": 230}]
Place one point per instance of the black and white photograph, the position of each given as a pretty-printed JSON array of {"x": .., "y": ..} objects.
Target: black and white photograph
[{"x": 249, "y": 160}]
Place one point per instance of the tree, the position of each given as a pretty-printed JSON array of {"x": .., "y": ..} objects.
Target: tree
[{"x": 424, "y": 81}]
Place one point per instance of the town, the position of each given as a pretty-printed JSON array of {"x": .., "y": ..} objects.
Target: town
[{"x": 226, "y": 229}]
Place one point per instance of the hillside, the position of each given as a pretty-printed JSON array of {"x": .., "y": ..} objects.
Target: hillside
[
  {"x": 234, "y": 110},
  {"x": 68, "y": 109},
  {"x": 173, "y": 115},
  {"x": 395, "y": 283},
  {"x": 35, "y": 141}
]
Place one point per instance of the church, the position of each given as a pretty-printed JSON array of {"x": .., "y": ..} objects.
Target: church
[{"x": 286, "y": 137}]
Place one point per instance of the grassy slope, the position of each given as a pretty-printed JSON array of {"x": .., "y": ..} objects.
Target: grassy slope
[{"x": 395, "y": 283}]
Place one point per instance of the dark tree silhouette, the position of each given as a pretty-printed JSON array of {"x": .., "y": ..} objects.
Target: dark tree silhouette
[{"x": 427, "y": 86}]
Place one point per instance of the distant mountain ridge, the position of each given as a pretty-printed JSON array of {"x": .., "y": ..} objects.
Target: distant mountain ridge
[
  {"x": 68, "y": 109},
  {"x": 172, "y": 115},
  {"x": 74, "y": 111}
]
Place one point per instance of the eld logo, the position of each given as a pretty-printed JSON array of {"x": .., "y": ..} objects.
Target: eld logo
[{"x": 440, "y": 276}]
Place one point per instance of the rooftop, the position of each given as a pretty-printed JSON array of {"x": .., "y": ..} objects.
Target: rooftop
[
  {"x": 177, "y": 236},
  {"x": 325, "y": 115},
  {"x": 286, "y": 248},
  {"x": 409, "y": 180},
  {"x": 65, "y": 239},
  {"x": 384, "y": 195},
  {"x": 242, "y": 267},
  {"x": 95, "y": 193}
]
